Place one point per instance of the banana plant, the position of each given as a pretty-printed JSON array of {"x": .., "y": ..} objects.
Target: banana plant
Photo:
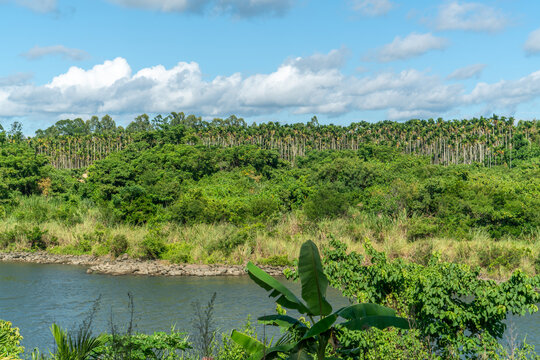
[{"x": 302, "y": 340}]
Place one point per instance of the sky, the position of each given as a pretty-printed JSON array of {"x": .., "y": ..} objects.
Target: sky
[{"x": 268, "y": 60}]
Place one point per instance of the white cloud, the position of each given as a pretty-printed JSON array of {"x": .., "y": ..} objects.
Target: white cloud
[
  {"x": 532, "y": 45},
  {"x": 372, "y": 7},
  {"x": 311, "y": 85},
  {"x": 507, "y": 93},
  {"x": 467, "y": 72},
  {"x": 316, "y": 62},
  {"x": 38, "y": 5},
  {"x": 470, "y": 16},
  {"x": 412, "y": 45},
  {"x": 242, "y": 8},
  {"x": 38, "y": 52},
  {"x": 100, "y": 76}
]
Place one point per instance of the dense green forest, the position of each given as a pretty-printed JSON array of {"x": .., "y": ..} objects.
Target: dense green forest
[
  {"x": 165, "y": 187},
  {"x": 408, "y": 215}
]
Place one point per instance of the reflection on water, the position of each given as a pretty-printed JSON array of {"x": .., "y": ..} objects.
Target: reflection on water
[{"x": 33, "y": 296}]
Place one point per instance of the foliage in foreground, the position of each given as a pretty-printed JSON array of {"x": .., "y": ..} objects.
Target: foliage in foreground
[
  {"x": 10, "y": 341},
  {"x": 304, "y": 340},
  {"x": 458, "y": 314},
  {"x": 453, "y": 314}
]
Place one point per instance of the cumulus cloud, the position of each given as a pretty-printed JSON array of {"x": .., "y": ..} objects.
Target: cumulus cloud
[
  {"x": 313, "y": 84},
  {"x": 372, "y": 7},
  {"x": 242, "y": 8},
  {"x": 38, "y": 52},
  {"x": 532, "y": 45},
  {"x": 412, "y": 45},
  {"x": 470, "y": 16},
  {"x": 507, "y": 93},
  {"x": 42, "y": 6},
  {"x": 467, "y": 72}
]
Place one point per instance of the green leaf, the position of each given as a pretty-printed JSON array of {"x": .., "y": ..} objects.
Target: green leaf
[
  {"x": 251, "y": 345},
  {"x": 362, "y": 310},
  {"x": 300, "y": 354},
  {"x": 321, "y": 326},
  {"x": 380, "y": 322},
  {"x": 273, "y": 352},
  {"x": 286, "y": 297},
  {"x": 283, "y": 321},
  {"x": 313, "y": 279}
]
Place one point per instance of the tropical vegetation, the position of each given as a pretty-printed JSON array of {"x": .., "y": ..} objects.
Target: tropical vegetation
[{"x": 413, "y": 218}]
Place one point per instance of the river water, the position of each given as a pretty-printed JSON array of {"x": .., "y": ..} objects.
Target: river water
[{"x": 33, "y": 296}]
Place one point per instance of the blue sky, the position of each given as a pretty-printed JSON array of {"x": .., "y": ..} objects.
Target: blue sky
[{"x": 268, "y": 60}]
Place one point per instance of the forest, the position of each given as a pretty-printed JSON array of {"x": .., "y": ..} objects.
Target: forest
[
  {"x": 395, "y": 208},
  {"x": 490, "y": 141}
]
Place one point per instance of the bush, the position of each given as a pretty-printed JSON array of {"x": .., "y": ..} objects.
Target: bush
[
  {"x": 68, "y": 214},
  {"x": 138, "y": 346},
  {"x": 9, "y": 237},
  {"x": 232, "y": 240},
  {"x": 36, "y": 238},
  {"x": 420, "y": 228},
  {"x": 119, "y": 245},
  {"x": 178, "y": 253},
  {"x": 276, "y": 260},
  {"x": 133, "y": 205},
  {"x": 432, "y": 295},
  {"x": 325, "y": 202},
  {"x": 153, "y": 245},
  {"x": 10, "y": 341}
]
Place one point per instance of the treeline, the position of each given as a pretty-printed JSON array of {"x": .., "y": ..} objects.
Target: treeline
[
  {"x": 162, "y": 198},
  {"x": 488, "y": 141},
  {"x": 189, "y": 184}
]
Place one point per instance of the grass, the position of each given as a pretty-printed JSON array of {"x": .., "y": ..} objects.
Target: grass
[{"x": 83, "y": 229}]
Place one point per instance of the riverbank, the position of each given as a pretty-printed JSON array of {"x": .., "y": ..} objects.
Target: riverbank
[
  {"x": 272, "y": 245},
  {"x": 123, "y": 265}
]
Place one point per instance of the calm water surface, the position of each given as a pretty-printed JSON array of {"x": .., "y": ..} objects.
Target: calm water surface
[{"x": 33, "y": 296}]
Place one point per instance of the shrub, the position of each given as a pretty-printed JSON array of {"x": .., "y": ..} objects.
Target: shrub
[
  {"x": 84, "y": 244},
  {"x": 9, "y": 237},
  {"x": 153, "y": 245},
  {"x": 36, "y": 238},
  {"x": 178, "y": 253},
  {"x": 10, "y": 341},
  {"x": 68, "y": 214},
  {"x": 433, "y": 295},
  {"x": 232, "y": 240},
  {"x": 276, "y": 260},
  {"x": 138, "y": 346},
  {"x": 133, "y": 205},
  {"x": 420, "y": 228},
  {"x": 119, "y": 245},
  {"x": 325, "y": 202}
]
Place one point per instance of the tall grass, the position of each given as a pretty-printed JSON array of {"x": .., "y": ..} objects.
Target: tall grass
[{"x": 82, "y": 228}]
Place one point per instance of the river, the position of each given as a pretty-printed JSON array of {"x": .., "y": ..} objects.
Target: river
[{"x": 33, "y": 296}]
